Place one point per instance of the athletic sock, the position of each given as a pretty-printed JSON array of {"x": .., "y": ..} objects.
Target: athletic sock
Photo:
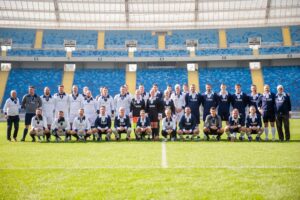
[
  {"x": 273, "y": 132},
  {"x": 267, "y": 133}
]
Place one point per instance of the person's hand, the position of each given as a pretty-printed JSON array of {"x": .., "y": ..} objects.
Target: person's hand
[{"x": 213, "y": 127}]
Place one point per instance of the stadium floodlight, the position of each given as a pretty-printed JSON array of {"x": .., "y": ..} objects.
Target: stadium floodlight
[
  {"x": 191, "y": 67},
  {"x": 131, "y": 45},
  {"x": 254, "y": 42},
  {"x": 5, "y": 66},
  {"x": 70, "y": 45},
  {"x": 254, "y": 65},
  {"x": 191, "y": 45},
  {"x": 5, "y": 44},
  {"x": 132, "y": 67},
  {"x": 69, "y": 67}
]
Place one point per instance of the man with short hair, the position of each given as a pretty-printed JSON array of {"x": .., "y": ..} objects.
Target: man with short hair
[
  {"x": 213, "y": 125},
  {"x": 48, "y": 106},
  {"x": 266, "y": 107},
  {"x": 178, "y": 98},
  {"x": 81, "y": 126},
  {"x": 122, "y": 100},
  {"x": 168, "y": 126},
  {"x": 122, "y": 125},
  {"x": 253, "y": 124},
  {"x": 11, "y": 113},
  {"x": 254, "y": 97},
  {"x": 61, "y": 101},
  {"x": 283, "y": 108},
  {"x": 209, "y": 100},
  {"x": 224, "y": 98},
  {"x": 76, "y": 102},
  {"x": 39, "y": 126},
  {"x": 239, "y": 101},
  {"x": 30, "y": 103},
  {"x": 194, "y": 100},
  {"x": 61, "y": 127},
  {"x": 106, "y": 100},
  {"x": 188, "y": 125},
  {"x": 102, "y": 125},
  {"x": 143, "y": 126},
  {"x": 235, "y": 125}
]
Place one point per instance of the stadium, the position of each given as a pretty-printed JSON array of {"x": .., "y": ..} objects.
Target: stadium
[{"x": 150, "y": 99}]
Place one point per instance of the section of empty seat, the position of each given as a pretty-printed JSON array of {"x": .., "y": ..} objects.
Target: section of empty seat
[
  {"x": 295, "y": 34},
  {"x": 229, "y": 76},
  {"x": 116, "y": 39},
  {"x": 96, "y": 78},
  {"x": 37, "y": 53},
  {"x": 204, "y": 37},
  {"x": 224, "y": 52},
  {"x": 103, "y": 53},
  {"x": 280, "y": 50},
  {"x": 20, "y": 37},
  {"x": 289, "y": 77},
  {"x": 270, "y": 35},
  {"x": 162, "y": 77},
  {"x": 20, "y": 78},
  {"x": 84, "y": 38},
  {"x": 161, "y": 53}
]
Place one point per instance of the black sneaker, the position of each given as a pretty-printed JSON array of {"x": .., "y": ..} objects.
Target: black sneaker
[
  {"x": 22, "y": 140},
  {"x": 229, "y": 138},
  {"x": 257, "y": 138},
  {"x": 218, "y": 138},
  {"x": 15, "y": 139},
  {"x": 98, "y": 139},
  {"x": 33, "y": 140},
  {"x": 8, "y": 139},
  {"x": 127, "y": 138}
]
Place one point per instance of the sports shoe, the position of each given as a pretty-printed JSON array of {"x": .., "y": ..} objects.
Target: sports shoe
[
  {"x": 218, "y": 138},
  {"x": 257, "y": 138},
  {"x": 250, "y": 138}
]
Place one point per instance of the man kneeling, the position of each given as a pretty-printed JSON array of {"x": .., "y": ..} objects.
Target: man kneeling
[
  {"x": 60, "y": 127},
  {"x": 81, "y": 126},
  {"x": 122, "y": 125},
  {"x": 168, "y": 126},
  {"x": 213, "y": 125},
  {"x": 187, "y": 125},
  {"x": 143, "y": 126},
  {"x": 236, "y": 125},
  {"x": 39, "y": 126},
  {"x": 254, "y": 124},
  {"x": 102, "y": 125}
]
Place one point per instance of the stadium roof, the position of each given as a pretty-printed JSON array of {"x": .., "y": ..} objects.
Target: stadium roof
[{"x": 147, "y": 14}]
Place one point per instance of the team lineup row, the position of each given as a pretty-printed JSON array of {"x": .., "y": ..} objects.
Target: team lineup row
[{"x": 59, "y": 115}]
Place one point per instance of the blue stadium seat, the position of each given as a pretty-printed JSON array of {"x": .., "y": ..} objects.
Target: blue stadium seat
[
  {"x": 96, "y": 78},
  {"x": 102, "y": 53},
  {"x": 280, "y": 50},
  {"x": 273, "y": 76},
  {"x": 229, "y": 76},
  {"x": 162, "y": 53},
  {"x": 116, "y": 39},
  {"x": 84, "y": 38},
  {"x": 224, "y": 52},
  {"x": 295, "y": 34},
  {"x": 20, "y": 79},
  {"x": 161, "y": 76},
  {"x": 204, "y": 37},
  {"x": 20, "y": 37},
  {"x": 37, "y": 53},
  {"x": 241, "y": 35}
]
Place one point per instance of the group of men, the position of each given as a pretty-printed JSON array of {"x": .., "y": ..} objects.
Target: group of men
[{"x": 84, "y": 116}]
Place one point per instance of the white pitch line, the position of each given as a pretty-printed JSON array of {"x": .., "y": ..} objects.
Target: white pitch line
[
  {"x": 164, "y": 162},
  {"x": 150, "y": 167}
]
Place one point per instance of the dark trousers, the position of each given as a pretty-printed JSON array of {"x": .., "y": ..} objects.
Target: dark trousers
[
  {"x": 283, "y": 119},
  {"x": 12, "y": 120}
]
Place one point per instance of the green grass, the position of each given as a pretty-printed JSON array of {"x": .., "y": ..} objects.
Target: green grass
[{"x": 132, "y": 170}]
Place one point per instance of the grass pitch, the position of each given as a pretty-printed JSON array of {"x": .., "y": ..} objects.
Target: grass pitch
[{"x": 135, "y": 170}]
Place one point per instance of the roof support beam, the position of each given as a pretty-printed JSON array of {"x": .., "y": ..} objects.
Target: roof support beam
[
  {"x": 268, "y": 10},
  {"x": 56, "y": 10},
  {"x": 127, "y": 11},
  {"x": 196, "y": 10}
]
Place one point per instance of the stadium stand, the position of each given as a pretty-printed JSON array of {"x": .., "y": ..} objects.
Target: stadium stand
[
  {"x": 116, "y": 39},
  {"x": 280, "y": 50},
  {"x": 206, "y": 38},
  {"x": 55, "y": 38},
  {"x": 228, "y": 51},
  {"x": 269, "y": 36},
  {"x": 162, "y": 77},
  {"x": 229, "y": 76},
  {"x": 289, "y": 77},
  {"x": 104, "y": 53},
  {"x": 96, "y": 78},
  {"x": 295, "y": 34},
  {"x": 37, "y": 52},
  {"x": 20, "y": 78},
  {"x": 162, "y": 53},
  {"x": 20, "y": 37}
]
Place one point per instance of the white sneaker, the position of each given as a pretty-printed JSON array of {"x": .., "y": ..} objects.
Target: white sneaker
[
  {"x": 165, "y": 140},
  {"x": 273, "y": 139}
]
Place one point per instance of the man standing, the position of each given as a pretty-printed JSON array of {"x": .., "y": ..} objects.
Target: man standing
[
  {"x": 224, "y": 98},
  {"x": 30, "y": 103},
  {"x": 240, "y": 101},
  {"x": 209, "y": 100},
  {"x": 178, "y": 98},
  {"x": 11, "y": 112},
  {"x": 194, "y": 100},
  {"x": 61, "y": 100},
  {"x": 48, "y": 107},
  {"x": 283, "y": 109},
  {"x": 122, "y": 100}
]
